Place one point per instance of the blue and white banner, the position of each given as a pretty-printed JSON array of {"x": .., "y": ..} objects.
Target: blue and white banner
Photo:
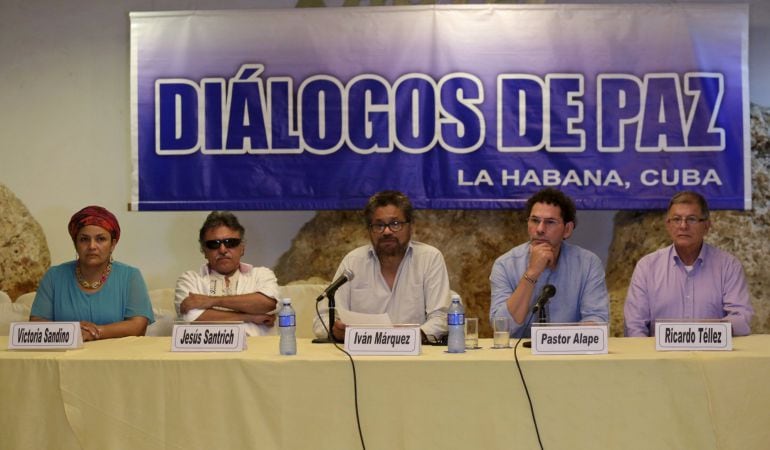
[{"x": 460, "y": 107}]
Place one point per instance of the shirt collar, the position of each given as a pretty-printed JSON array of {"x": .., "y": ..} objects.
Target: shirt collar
[
  {"x": 243, "y": 268},
  {"x": 699, "y": 260}
]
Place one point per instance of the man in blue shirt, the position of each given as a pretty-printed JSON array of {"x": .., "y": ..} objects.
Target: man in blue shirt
[{"x": 518, "y": 276}]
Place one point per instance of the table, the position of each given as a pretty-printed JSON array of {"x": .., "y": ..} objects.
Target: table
[{"x": 134, "y": 393}]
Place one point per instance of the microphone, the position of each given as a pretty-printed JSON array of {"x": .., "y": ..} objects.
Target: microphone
[
  {"x": 346, "y": 276},
  {"x": 548, "y": 291}
]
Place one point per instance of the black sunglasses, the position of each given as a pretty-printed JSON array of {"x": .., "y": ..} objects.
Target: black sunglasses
[{"x": 229, "y": 243}]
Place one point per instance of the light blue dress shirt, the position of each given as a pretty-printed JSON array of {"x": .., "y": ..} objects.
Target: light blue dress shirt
[{"x": 581, "y": 292}]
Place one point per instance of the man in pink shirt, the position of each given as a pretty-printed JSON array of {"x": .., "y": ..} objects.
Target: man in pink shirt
[{"x": 689, "y": 279}]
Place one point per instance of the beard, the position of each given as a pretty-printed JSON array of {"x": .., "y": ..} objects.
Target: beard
[{"x": 390, "y": 247}]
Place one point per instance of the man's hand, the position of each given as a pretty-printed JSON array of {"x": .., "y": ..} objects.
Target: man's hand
[
  {"x": 540, "y": 256},
  {"x": 264, "y": 319},
  {"x": 196, "y": 301},
  {"x": 338, "y": 330}
]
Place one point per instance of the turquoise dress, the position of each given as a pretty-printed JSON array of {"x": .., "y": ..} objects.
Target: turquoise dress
[{"x": 123, "y": 295}]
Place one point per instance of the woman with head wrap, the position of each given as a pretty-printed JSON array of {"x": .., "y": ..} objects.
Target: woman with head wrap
[{"x": 108, "y": 298}]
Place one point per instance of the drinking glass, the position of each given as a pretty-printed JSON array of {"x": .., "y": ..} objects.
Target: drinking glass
[
  {"x": 471, "y": 333},
  {"x": 502, "y": 335}
]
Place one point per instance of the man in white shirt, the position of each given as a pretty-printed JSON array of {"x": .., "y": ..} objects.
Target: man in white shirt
[
  {"x": 224, "y": 288},
  {"x": 405, "y": 279}
]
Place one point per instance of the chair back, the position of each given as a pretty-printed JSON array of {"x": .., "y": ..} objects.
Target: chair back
[
  {"x": 26, "y": 299},
  {"x": 11, "y": 312},
  {"x": 163, "y": 308}
]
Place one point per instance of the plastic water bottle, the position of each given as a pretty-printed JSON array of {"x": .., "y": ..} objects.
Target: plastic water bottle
[
  {"x": 287, "y": 328},
  {"x": 455, "y": 319}
]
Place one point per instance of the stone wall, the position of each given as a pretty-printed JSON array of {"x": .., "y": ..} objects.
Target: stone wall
[
  {"x": 24, "y": 255},
  {"x": 472, "y": 240}
]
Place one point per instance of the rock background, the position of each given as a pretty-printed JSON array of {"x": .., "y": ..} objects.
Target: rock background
[
  {"x": 24, "y": 255},
  {"x": 472, "y": 240}
]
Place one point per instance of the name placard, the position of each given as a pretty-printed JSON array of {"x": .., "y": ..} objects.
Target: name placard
[
  {"x": 569, "y": 339},
  {"x": 383, "y": 340},
  {"x": 208, "y": 337},
  {"x": 45, "y": 336},
  {"x": 684, "y": 335}
]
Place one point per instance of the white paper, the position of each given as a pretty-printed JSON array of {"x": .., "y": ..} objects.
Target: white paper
[{"x": 351, "y": 318}]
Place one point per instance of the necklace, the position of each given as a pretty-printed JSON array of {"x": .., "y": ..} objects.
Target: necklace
[{"x": 89, "y": 285}]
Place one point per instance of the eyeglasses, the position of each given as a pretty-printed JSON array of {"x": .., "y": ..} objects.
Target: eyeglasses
[
  {"x": 216, "y": 243},
  {"x": 394, "y": 226},
  {"x": 689, "y": 220},
  {"x": 549, "y": 223}
]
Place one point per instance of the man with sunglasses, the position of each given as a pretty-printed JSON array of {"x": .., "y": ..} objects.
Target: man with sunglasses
[
  {"x": 689, "y": 279},
  {"x": 224, "y": 288},
  {"x": 518, "y": 276},
  {"x": 393, "y": 275}
]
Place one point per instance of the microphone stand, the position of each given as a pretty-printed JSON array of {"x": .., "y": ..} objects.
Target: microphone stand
[
  {"x": 541, "y": 316},
  {"x": 330, "y": 337},
  {"x": 330, "y": 298}
]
